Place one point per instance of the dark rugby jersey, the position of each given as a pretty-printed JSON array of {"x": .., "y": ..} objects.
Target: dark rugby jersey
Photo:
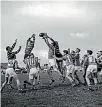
[
  {"x": 12, "y": 55},
  {"x": 29, "y": 46},
  {"x": 77, "y": 59}
]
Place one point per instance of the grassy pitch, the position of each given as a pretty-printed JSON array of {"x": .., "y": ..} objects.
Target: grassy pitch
[{"x": 58, "y": 95}]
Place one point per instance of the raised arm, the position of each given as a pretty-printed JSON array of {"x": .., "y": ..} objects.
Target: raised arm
[
  {"x": 14, "y": 44},
  {"x": 29, "y": 39},
  {"x": 16, "y": 52},
  {"x": 47, "y": 42},
  {"x": 51, "y": 39}
]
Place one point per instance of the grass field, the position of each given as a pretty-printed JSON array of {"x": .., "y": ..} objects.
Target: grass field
[{"x": 58, "y": 95}]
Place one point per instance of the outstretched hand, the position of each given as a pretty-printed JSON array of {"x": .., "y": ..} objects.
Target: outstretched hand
[
  {"x": 16, "y": 40},
  {"x": 20, "y": 47},
  {"x": 33, "y": 35}
]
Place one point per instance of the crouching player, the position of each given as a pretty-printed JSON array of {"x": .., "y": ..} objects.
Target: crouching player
[
  {"x": 10, "y": 74},
  {"x": 91, "y": 70},
  {"x": 34, "y": 71},
  {"x": 70, "y": 69}
]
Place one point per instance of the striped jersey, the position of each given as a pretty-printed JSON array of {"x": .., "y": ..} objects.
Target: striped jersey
[
  {"x": 29, "y": 46},
  {"x": 32, "y": 62},
  {"x": 12, "y": 55}
]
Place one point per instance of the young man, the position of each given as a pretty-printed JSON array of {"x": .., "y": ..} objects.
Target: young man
[
  {"x": 57, "y": 53},
  {"x": 92, "y": 69},
  {"x": 68, "y": 63},
  {"x": 77, "y": 64},
  {"x": 51, "y": 59},
  {"x": 12, "y": 64},
  {"x": 34, "y": 71},
  {"x": 29, "y": 48}
]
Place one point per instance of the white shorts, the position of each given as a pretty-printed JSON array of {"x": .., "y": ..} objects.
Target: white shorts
[
  {"x": 51, "y": 62},
  {"x": 92, "y": 68},
  {"x": 78, "y": 68},
  {"x": 70, "y": 69},
  {"x": 33, "y": 73},
  {"x": 10, "y": 72}
]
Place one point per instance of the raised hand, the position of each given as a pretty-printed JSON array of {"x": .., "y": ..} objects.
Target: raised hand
[
  {"x": 16, "y": 40},
  {"x": 33, "y": 35}
]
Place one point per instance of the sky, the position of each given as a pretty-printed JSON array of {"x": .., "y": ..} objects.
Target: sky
[{"x": 73, "y": 24}]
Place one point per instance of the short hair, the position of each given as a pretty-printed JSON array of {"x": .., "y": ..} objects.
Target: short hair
[
  {"x": 65, "y": 51},
  {"x": 7, "y": 48},
  {"x": 78, "y": 49},
  {"x": 41, "y": 34},
  {"x": 32, "y": 54},
  {"x": 90, "y": 52}
]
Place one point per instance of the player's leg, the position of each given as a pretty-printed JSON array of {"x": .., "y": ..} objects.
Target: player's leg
[
  {"x": 4, "y": 84},
  {"x": 88, "y": 74},
  {"x": 17, "y": 81},
  {"x": 10, "y": 81},
  {"x": 61, "y": 70},
  {"x": 28, "y": 82},
  {"x": 84, "y": 76},
  {"x": 38, "y": 77},
  {"x": 49, "y": 71},
  {"x": 35, "y": 81},
  {"x": 69, "y": 72},
  {"x": 95, "y": 77},
  {"x": 75, "y": 74}
]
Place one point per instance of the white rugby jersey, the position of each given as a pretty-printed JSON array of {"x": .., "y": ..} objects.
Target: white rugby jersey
[
  {"x": 91, "y": 59},
  {"x": 11, "y": 63},
  {"x": 32, "y": 62},
  {"x": 68, "y": 60}
]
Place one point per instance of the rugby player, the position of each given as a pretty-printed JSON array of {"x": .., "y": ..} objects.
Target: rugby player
[
  {"x": 91, "y": 70},
  {"x": 57, "y": 53},
  {"x": 77, "y": 64},
  {"x": 34, "y": 71},
  {"x": 68, "y": 65},
  {"x": 12, "y": 64},
  {"x": 29, "y": 46},
  {"x": 84, "y": 66},
  {"x": 51, "y": 59}
]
